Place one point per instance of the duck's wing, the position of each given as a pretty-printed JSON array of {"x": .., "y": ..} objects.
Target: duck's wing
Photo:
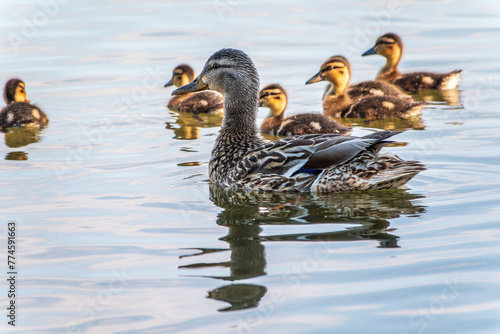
[{"x": 310, "y": 153}]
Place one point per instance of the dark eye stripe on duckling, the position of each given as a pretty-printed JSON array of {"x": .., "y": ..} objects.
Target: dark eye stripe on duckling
[
  {"x": 332, "y": 66},
  {"x": 270, "y": 93},
  {"x": 386, "y": 41}
]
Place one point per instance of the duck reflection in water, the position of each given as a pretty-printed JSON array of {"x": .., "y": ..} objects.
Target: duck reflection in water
[{"x": 245, "y": 213}]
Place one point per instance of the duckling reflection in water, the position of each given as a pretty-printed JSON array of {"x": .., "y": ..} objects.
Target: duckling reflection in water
[
  {"x": 19, "y": 112},
  {"x": 338, "y": 103},
  {"x": 197, "y": 102},
  {"x": 390, "y": 46},
  {"x": 274, "y": 97},
  {"x": 309, "y": 163},
  {"x": 22, "y": 136},
  {"x": 187, "y": 125}
]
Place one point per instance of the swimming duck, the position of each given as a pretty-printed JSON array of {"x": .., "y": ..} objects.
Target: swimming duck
[
  {"x": 391, "y": 47},
  {"x": 201, "y": 102},
  {"x": 19, "y": 112},
  {"x": 338, "y": 103},
  {"x": 274, "y": 97},
  {"x": 309, "y": 163}
]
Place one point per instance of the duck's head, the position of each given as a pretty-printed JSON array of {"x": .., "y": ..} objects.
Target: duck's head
[
  {"x": 182, "y": 75},
  {"x": 230, "y": 72},
  {"x": 389, "y": 45},
  {"x": 15, "y": 91},
  {"x": 274, "y": 97},
  {"x": 335, "y": 70}
]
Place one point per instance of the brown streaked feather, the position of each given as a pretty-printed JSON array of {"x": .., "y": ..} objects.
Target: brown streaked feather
[
  {"x": 18, "y": 114},
  {"x": 381, "y": 107},
  {"x": 413, "y": 82},
  {"x": 310, "y": 123},
  {"x": 198, "y": 102}
]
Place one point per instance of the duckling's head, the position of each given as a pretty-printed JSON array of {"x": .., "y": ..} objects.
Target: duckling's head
[
  {"x": 274, "y": 97},
  {"x": 15, "y": 91},
  {"x": 389, "y": 45},
  {"x": 230, "y": 72},
  {"x": 336, "y": 70},
  {"x": 182, "y": 75}
]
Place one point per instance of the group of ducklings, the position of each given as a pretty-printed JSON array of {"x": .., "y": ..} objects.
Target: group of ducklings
[
  {"x": 315, "y": 157},
  {"x": 384, "y": 97}
]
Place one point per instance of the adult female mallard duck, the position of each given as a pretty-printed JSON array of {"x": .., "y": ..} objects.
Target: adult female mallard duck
[
  {"x": 391, "y": 47},
  {"x": 338, "y": 103},
  {"x": 19, "y": 112},
  {"x": 318, "y": 162},
  {"x": 274, "y": 97},
  {"x": 200, "y": 102}
]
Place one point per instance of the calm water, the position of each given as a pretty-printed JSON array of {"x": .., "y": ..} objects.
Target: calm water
[{"x": 120, "y": 232}]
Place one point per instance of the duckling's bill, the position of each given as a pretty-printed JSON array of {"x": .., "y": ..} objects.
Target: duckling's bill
[
  {"x": 169, "y": 83},
  {"x": 370, "y": 52},
  {"x": 195, "y": 86},
  {"x": 316, "y": 78}
]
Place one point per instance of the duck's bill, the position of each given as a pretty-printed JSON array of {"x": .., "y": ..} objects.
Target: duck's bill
[
  {"x": 369, "y": 52},
  {"x": 169, "y": 83},
  {"x": 316, "y": 78},
  {"x": 195, "y": 86}
]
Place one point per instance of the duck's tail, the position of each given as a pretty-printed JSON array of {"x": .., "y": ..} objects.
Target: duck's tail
[
  {"x": 451, "y": 81},
  {"x": 396, "y": 175},
  {"x": 368, "y": 171},
  {"x": 413, "y": 109}
]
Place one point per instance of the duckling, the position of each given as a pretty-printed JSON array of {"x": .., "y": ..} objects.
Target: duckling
[
  {"x": 322, "y": 163},
  {"x": 338, "y": 103},
  {"x": 19, "y": 112},
  {"x": 274, "y": 97},
  {"x": 391, "y": 47},
  {"x": 200, "y": 102}
]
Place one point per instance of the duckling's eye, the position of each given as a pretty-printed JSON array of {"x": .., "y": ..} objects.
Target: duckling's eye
[
  {"x": 215, "y": 66},
  {"x": 267, "y": 94},
  {"x": 341, "y": 72}
]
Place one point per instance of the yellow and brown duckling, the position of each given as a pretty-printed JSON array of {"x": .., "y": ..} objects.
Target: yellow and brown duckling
[
  {"x": 198, "y": 102},
  {"x": 338, "y": 103},
  {"x": 274, "y": 97},
  {"x": 390, "y": 46},
  {"x": 19, "y": 112}
]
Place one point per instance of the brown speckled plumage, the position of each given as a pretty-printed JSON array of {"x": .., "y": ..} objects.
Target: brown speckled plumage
[
  {"x": 19, "y": 112},
  {"x": 337, "y": 102},
  {"x": 197, "y": 102},
  {"x": 317, "y": 162},
  {"x": 274, "y": 97},
  {"x": 391, "y": 47}
]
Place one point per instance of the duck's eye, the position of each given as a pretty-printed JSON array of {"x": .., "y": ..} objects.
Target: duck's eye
[
  {"x": 215, "y": 66},
  {"x": 266, "y": 94}
]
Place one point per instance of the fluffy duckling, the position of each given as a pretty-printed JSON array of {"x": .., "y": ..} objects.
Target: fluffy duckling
[
  {"x": 338, "y": 103},
  {"x": 241, "y": 159},
  {"x": 274, "y": 97},
  {"x": 391, "y": 47},
  {"x": 199, "y": 102},
  {"x": 19, "y": 112}
]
